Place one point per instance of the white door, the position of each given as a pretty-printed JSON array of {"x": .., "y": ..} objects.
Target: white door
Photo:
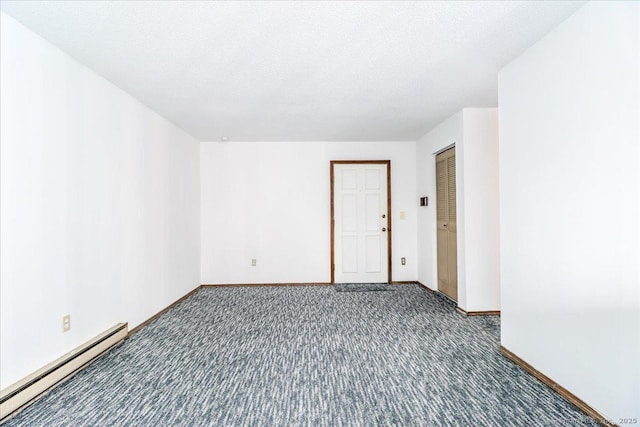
[{"x": 361, "y": 223}]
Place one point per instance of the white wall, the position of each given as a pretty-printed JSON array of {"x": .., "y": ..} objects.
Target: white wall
[
  {"x": 570, "y": 190},
  {"x": 474, "y": 131},
  {"x": 100, "y": 205},
  {"x": 270, "y": 201},
  {"x": 481, "y": 209}
]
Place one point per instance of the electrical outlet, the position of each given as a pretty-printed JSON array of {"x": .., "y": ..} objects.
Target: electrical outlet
[
  {"x": 254, "y": 262},
  {"x": 403, "y": 261},
  {"x": 66, "y": 323},
  {"x": 403, "y": 215}
]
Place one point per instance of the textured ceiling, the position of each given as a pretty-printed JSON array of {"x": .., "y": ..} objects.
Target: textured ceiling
[{"x": 334, "y": 71}]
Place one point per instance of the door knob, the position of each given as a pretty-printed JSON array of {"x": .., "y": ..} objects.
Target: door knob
[
  {"x": 444, "y": 225},
  {"x": 384, "y": 229}
]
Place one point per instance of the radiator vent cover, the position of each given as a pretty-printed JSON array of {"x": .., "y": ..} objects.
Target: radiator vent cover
[{"x": 24, "y": 392}]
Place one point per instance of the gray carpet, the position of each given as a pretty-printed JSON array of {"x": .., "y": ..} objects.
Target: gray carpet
[
  {"x": 306, "y": 356},
  {"x": 363, "y": 287}
]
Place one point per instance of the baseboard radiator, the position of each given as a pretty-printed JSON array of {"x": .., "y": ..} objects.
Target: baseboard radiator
[{"x": 24, "y": 392}]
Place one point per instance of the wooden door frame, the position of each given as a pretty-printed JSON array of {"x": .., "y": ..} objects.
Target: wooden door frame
[{"x": 360, "y": 162}]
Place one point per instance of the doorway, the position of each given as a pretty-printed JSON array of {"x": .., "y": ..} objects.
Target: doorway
[
  {"x": 360, "y": 221},
  {"x": 446, "y": 220}
]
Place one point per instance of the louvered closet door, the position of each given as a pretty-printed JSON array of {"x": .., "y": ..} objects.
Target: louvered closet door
[{"x": 446, "y": 217}]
